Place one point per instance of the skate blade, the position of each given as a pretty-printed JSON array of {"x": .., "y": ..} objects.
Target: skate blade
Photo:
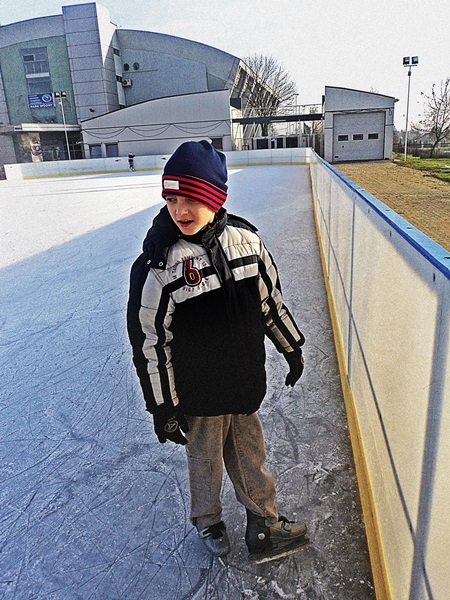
[{"x": 275, "y": 554}]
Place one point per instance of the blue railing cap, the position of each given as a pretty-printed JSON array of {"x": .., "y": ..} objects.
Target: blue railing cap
[{"x": 431, "y": 250}]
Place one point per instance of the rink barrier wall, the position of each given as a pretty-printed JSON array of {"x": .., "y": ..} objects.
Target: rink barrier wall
[
  {"x": 389, "y": 295},
  {"x": 97, "y": 166}
]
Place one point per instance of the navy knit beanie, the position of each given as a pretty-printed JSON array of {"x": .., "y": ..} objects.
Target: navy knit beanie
[{"x": 197, "y": 171}]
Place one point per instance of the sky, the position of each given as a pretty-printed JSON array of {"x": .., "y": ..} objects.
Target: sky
[{"x": 357, "y": 44}]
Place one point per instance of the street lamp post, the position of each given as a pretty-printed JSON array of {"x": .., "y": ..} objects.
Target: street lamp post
[
  {"x": 61, "y": 96},
  {"x": 408, "y": 61}
]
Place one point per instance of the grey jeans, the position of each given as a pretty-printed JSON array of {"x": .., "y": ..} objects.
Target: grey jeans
[{"x": 238, "y": 441}]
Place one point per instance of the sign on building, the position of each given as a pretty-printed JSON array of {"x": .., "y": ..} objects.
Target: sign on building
[{"x": 40, "y": 100}]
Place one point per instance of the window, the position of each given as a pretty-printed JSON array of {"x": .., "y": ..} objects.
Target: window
[
  {"x": 41, "y": 85},
  {"x": 136, "y": 66},
  {"x": 112, "y": 150},
  {"x": 357, "y": 137},
  {"x": 217, "y": 143},
  {"x": 342, "y": 138},
  {"x": 37, "y": 71},
  {"x": 126, "y": 67},
  {"x": 373, "y": 136},
  {"x": 95, "y": 151},
  {"x": 119, "y": 78},
  {"x": 116, "y": 51},
  {"x": 35, "y": 61}
]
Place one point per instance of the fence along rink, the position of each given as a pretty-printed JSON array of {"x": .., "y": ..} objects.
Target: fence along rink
[{"x": 389, "y": 289}]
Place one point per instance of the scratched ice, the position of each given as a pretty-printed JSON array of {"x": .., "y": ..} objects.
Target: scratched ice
[{"x": 91, "y": 505}]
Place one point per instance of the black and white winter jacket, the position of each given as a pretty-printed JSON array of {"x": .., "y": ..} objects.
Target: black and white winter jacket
[{"x": 199, "y": 308}]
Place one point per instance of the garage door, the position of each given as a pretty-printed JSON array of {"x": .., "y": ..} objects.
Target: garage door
[{"x": 358, "y": 136}]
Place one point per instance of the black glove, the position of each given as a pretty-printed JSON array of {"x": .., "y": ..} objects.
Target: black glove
[
  {"x": 296, "y": 364},
  {"x": 168, "y": 423}
]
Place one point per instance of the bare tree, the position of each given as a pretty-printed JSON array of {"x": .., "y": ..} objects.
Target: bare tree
[
  {"x": 437, "y": 113},
  {"x": 273, "y": 86}
]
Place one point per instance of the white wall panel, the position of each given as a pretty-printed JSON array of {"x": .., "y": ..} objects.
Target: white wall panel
[
  {"x": 396, "y": 298},
  {"x": 90, "y": 36},
  {"x": 146, "y": 163}
]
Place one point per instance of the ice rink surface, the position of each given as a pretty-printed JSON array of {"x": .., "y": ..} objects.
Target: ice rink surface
[{"x": 92, "y": 506}]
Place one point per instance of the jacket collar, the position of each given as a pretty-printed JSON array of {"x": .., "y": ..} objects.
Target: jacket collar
[{"x": 164, "y": 233}]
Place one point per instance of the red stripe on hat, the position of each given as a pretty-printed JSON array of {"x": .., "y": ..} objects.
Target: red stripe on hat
[
  {"x": 197, "y": 189},
  {"x": 200, "y": 196},
  {"x": 198, "y": 183},
  {"x": 202, "y": 191},
  {"x": 196, "y": 194},
  {"x": 201, "y": 183}
]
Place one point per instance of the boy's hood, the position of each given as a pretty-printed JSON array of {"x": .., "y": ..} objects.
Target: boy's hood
[{"x": 164, "y": 233}]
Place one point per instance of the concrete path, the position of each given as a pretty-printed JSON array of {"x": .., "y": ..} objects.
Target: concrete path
[{"x": 92, "y": 506}]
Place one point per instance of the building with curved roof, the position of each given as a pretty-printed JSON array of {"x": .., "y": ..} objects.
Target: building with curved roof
[{"x": 59, "y": 71}]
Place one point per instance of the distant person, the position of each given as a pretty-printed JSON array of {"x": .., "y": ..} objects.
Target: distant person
[
  {"x": 203, "y": 295},
  {"x": 131, "y": 161}
]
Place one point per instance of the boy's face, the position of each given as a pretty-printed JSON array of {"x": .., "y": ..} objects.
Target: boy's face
[{"x": 189, "y": 215}]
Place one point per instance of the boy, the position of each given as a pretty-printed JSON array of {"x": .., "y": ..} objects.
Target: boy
[{"x": 203, "y": 294}]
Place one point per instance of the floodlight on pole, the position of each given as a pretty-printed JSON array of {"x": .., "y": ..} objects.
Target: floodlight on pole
[
  {"x": 60, "y": 96},
  {"x": 408, "y": 61}
]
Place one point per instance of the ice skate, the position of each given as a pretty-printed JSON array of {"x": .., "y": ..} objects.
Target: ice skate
[
  {"x": 215, "y": 539},
  {"x": 268, "y": 541}
]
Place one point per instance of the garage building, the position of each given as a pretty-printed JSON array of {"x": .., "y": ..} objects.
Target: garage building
[{"x": 358, "y": 125}]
